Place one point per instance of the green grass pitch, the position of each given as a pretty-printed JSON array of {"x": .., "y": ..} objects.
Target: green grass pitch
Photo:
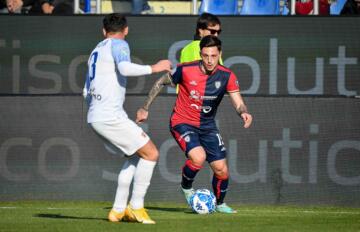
[{"x": 170, "y": 217}]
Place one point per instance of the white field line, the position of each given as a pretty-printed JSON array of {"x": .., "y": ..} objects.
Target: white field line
[
  {"x": 296, "y": 211},
  {"x": 47, "y": 208}
]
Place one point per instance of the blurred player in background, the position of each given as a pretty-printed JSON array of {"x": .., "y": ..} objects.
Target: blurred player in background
[
  {"x": 202, "y": 85},
  {"x": 108, "y": 66},
  {"x": 207, "y": 24}
]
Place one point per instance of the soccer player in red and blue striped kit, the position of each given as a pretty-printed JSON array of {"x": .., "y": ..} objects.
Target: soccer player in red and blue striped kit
[{"x": 202, "y": 85}]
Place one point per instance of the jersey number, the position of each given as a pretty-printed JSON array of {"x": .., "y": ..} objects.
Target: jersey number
[
  {"x": 221, "y": 142},
  {"x": 93, "y": 59}
]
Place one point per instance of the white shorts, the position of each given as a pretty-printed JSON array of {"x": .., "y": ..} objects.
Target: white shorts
[{"x": 123, "y": 134}]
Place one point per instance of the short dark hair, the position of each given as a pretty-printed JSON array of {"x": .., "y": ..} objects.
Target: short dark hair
[
  {"x": 114, "y": 22},
  {"x": 210, "y": 41},
  {"x": 204, "y": 21}
]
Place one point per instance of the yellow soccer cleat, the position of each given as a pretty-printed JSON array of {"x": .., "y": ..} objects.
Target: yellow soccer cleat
[
  {"x": 128, "y": 217},
  {"x": 140, "y": 215},
  {"x": 115, "y": 216}
]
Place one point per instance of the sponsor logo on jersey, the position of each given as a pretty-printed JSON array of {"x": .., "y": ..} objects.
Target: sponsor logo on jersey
[
  {"x": 205, "y": 109},
  {"x": 208, "y": 97},
  {"x": 194, "y": 106},
  {"x": 194, "y": 94},
  {"x": 194, "y": 83},
  {"x": 94, "y": 95}
]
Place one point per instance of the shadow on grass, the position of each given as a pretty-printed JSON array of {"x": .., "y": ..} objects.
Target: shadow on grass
[
  {"x": 59, "y": 216},
  {"x": 168, "y": 209}
]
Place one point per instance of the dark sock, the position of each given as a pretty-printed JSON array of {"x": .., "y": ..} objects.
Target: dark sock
[
  {"x": 220, "y": 185},
  {"x": 189, "y": 172}
]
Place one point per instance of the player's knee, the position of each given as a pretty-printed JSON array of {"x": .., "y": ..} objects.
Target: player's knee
[
  {"x": 221, "y": 172},
  {"x": 149, "y": 152},
  {"x": 198, "y": 160},
  {"x": 152, "y": 154}
]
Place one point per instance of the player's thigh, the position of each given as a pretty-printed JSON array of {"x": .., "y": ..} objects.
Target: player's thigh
[
  {"x": 214, "y": 147},
  {"x": 187, "y": 138},
  {"x": 124, "y": 134},
  {"x": 197, "y": 155}
]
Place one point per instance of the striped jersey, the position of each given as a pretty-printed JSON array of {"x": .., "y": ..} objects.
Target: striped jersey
[{"x": 200, "y": 94}]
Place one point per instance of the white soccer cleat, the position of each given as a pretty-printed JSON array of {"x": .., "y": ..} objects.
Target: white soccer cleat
[
  {"x": 188, "y": 194},
  {"x": 224, "y": 208}
]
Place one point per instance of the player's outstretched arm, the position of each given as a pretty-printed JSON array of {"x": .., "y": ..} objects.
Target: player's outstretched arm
[
  {"x": 143, "y": 112},
  {"x": 160, "y": 66},
  {"x": 241, "y": 108}
]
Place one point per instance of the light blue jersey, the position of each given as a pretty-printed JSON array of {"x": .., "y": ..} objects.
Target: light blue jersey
[{"x": 105, "y": 87}]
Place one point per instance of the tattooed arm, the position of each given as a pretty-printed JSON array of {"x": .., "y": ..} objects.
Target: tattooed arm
[
  {"x": 143, "y": 112},
  {"x": 241, "y": 108}
]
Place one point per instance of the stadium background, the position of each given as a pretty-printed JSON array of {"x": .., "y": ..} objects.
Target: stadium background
[{"x": 299, "y": 76}]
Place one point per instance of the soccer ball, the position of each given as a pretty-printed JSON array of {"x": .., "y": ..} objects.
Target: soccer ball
[{"x": 203, "y": 201}]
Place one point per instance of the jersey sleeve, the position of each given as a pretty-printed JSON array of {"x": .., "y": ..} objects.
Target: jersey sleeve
[
  {"x": 233, "y": 84},
  {"x": 177, "y": 76},
  {"x": 120, "y": 51}
]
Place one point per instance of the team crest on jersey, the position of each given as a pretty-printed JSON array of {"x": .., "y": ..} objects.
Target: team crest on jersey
[
  {"x": 187, "y": 139},
  {"x": 217, "y": 84}
]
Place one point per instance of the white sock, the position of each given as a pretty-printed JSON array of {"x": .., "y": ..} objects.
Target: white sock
[
  {"x": 143, "y": 174},
  {"x": 124, "y": 180}
]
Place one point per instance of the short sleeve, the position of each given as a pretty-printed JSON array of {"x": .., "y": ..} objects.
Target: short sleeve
[
  {"x": 120, "y": 51},
  {"x": 177, "y": 76},
  {"x": 233, "y": 84}
]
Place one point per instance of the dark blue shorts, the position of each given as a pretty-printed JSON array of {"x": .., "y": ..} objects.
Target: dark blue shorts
[{"x": 189, "y": 137}]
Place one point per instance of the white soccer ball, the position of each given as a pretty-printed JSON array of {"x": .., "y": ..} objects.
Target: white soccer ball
[{"x": 203, "y": 201}]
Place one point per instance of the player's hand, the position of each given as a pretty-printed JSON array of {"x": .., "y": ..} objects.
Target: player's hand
[
  {"x": 247, "y": 119},
  {"x": 161, "y": 65},
  {"x": 141, "y": 115}
]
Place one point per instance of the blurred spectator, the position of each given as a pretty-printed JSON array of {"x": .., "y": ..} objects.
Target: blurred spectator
[
  {"x": 3, "y": 8},
  {"x": 15, "y": 6},
  {"x": 37, "y": 7},
  {"x": 351, "y": 7},
  {"x": 207, "y": 24},
  {"x": 140, "y": 7},
  {"x": 305, "y": 7}
]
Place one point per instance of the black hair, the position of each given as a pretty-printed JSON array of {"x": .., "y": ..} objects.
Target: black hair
[
  {"x": 204, "y": 21},
  {"x": 114, "y": 22},
  {"x": 210, "y": 41}
]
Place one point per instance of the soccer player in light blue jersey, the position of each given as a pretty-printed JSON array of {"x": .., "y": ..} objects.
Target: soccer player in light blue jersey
[{"x": 109, "y": 66}]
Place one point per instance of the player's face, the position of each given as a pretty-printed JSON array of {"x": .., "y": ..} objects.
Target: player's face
[
  {"x": 210, "y": 30},
  {"x": 210, "y": 58}
]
